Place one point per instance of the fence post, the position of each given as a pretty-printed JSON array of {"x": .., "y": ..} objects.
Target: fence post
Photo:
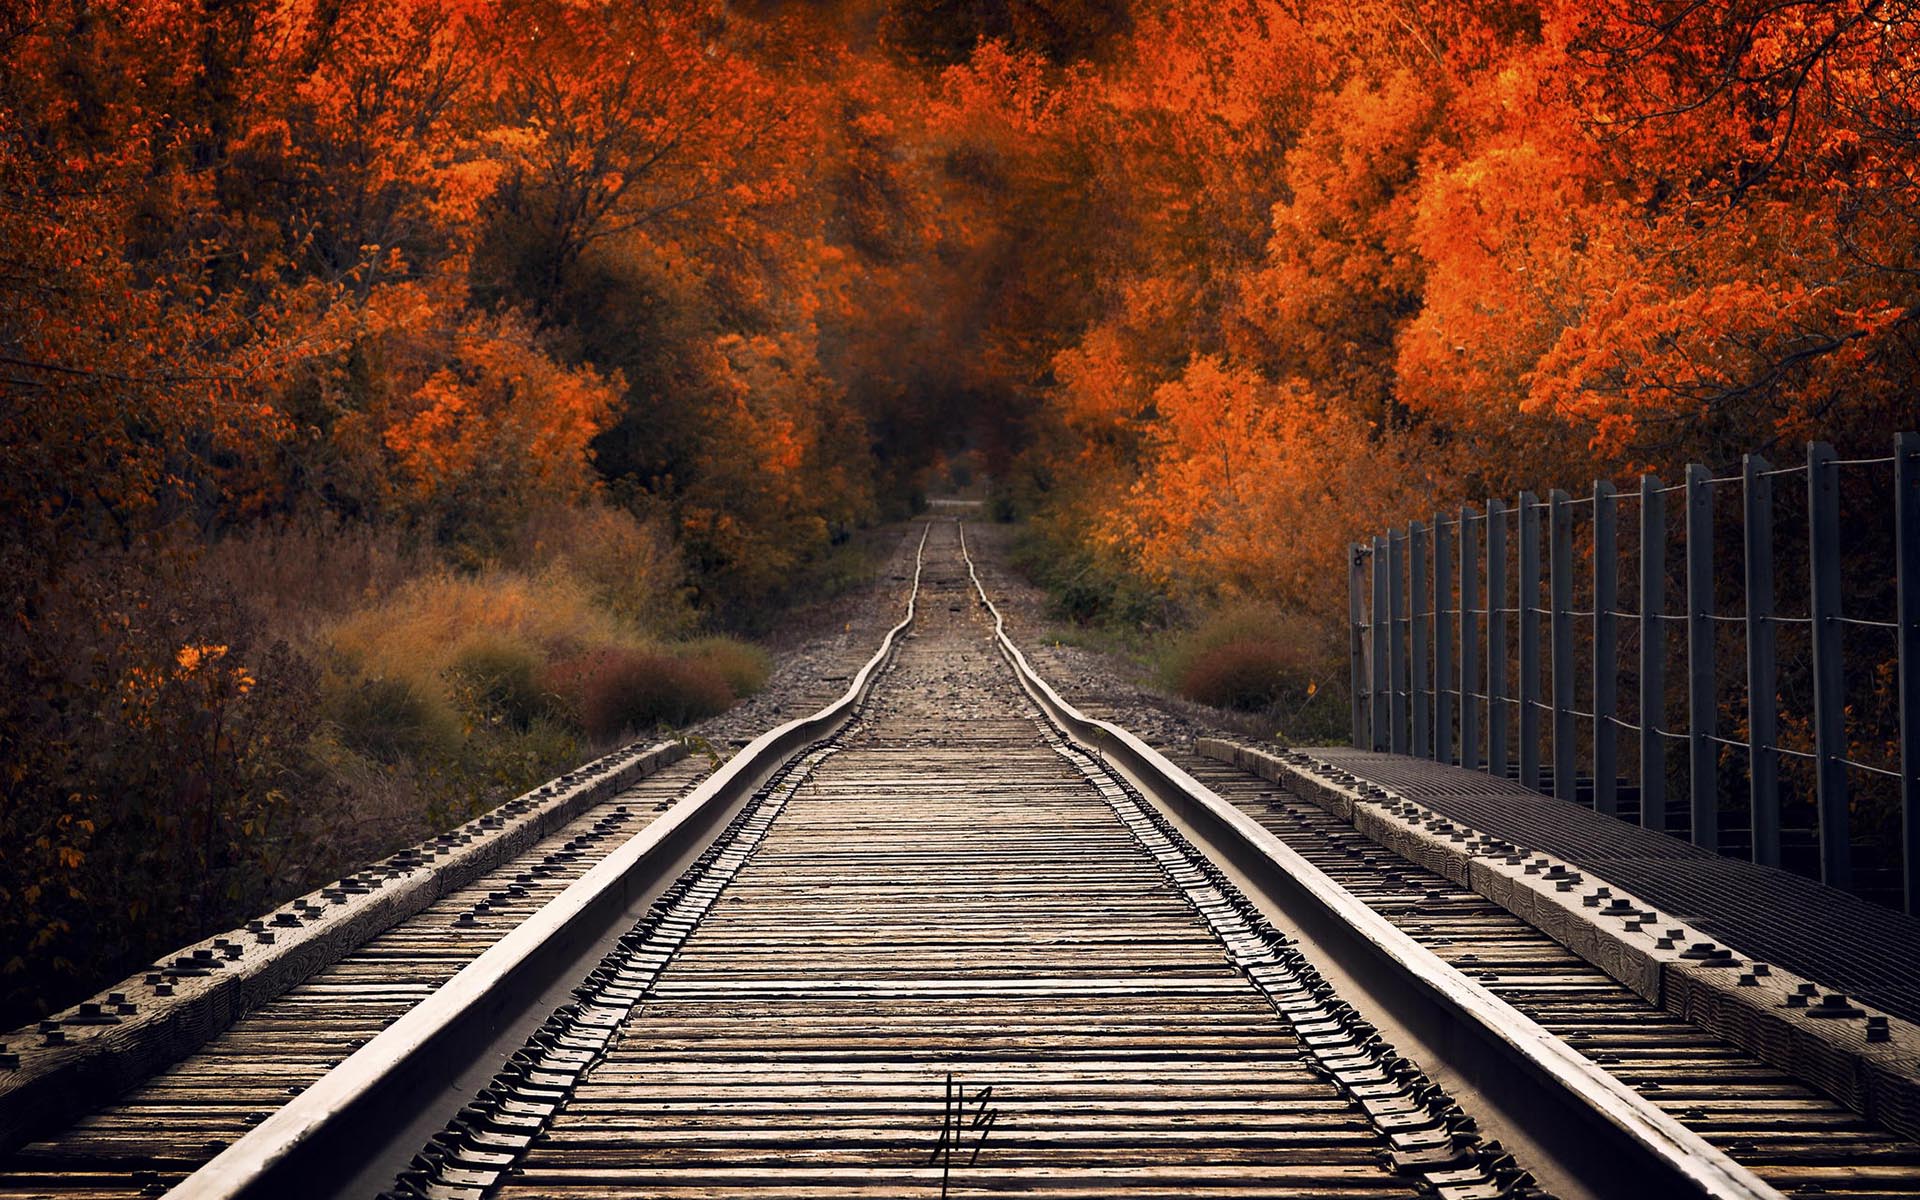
[
  {"x": 1497, "y": 657},
  {"x": 1763, "y": 715},
  {"x": 1906, "y": 536},
  {"x": 1653, "y": 654},
  {"x": 1357, "y": 643},
  {"x": 1377, "y": 694},
  {"x": 1443, "y": 679},
  {"x": 1397, "y": 643},
  {"x": 1469, "y": 658},
  {"x": 1560, "y": 529},
  {"x": 1528, "y": 604},
  {"x": 1829, "y": 680},
  {"x": 1703, "y": 752},
  {"x": 1419, "y": 674},
  {"x": 1606, "y": 648}
]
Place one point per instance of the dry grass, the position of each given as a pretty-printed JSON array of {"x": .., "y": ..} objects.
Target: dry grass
[
  {"x": 1259, "y": 659},
  {"x": 743, "y": 665},
  {"x": 628, "y": 563},
  {"x": 421, "y": 630},
  {"x": 298, "y": 576}
]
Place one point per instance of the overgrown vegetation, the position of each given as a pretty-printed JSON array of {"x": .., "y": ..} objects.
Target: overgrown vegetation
[
  {"x": 393, "y": 393},
  {"x": 269, "y": 709},
  {"x": 1285, "y": 667},
  {"x": 1280, "y": 671}
]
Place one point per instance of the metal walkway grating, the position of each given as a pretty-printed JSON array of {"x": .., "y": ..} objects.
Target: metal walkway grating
[{"x": 1773, "y": 915}]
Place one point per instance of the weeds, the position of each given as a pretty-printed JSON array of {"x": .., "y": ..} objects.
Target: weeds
[
  {"x": 494, "y": 680},
  {"x": 1087, "y": 590},
  {"x": 389, "y": 720},
  {"x": 194, "y": 733},
  {"x": 743, "y": 665},
  {"x": 1257, "y": 658}
]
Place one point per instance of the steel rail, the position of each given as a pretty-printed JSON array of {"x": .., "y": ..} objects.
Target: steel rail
[
  {"x": 1604, "y": 1137},
  {"x": 308, "y": 1144}
]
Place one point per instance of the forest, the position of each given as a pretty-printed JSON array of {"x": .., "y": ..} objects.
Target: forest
[{"x": 404, "y": 398}]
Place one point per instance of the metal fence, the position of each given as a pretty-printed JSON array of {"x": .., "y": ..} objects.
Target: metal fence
[{"x": 1439, "y": 672}]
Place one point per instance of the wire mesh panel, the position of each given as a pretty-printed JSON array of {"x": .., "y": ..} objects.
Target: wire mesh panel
[{"x": 1658, "y": 654}]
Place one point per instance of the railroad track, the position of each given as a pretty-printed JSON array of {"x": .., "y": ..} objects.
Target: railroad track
[
  {"x": 1787, "y": 1133},
  {"x": 950, "y": 937}
]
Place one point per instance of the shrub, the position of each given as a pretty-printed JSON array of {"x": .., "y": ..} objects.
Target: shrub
[
  {"x": 742, "y": 664},
  {"x": 1086, "y": 588},
  {"x": 629, "y": 563},
  {"x": 1244, "y": 675},
  {"x": 160, "y": 782},
  {"x": 393, "y": 719},
  {"x": 511, "y": 762},
  {"x": 617, "y": 690},
  {"x": 1251, "y": 657},
  {"x": 495, "y": 677}
]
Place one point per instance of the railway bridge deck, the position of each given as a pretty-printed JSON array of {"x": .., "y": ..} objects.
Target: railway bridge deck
[{"x": 951, "y": 936}]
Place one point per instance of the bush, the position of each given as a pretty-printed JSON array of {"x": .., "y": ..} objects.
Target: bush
[
  {"x": 160, "y": 779},
  {"x": 1251, "y": 657},
  {"x": 628, "y": 562},
  {"x": 1243, "y": 675},
  {"x": 1087, "y": 588},
  {"x": 393, "y": 719},
  {"x": 512, "y": 762},
  {"x": 496, "y": 677},
  {"x": 743, "y": 665},
  {"x": 615, "y": 690}
]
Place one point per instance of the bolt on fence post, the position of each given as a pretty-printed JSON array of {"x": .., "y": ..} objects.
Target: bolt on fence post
[
  {"x": 1397, "y": 643},
  {"x": 1528, "y": 604},
  {"x": 1419, "y": 676},
  {"x": 1443, "y": 679},
  {"x": 1469, "y": 658},
  {"x": 1906, "y": 536},
  {"x": 1653, "y": 654},
  {"x": 1377, "y": 694},
  {"x": 1702, "y": 700},
  {"x": 1829, "y": 680},
  {"x": 1606, "y": 648},
  {"x": 1560, "y": 529},
  {"x": 1497, "y": 646},
  {"x": 1763, "y": 715},
  {"x": 1357, "y": 643}
]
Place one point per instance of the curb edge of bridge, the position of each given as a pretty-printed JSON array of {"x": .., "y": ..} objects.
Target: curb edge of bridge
[{"x": 1769, "y": 1011}]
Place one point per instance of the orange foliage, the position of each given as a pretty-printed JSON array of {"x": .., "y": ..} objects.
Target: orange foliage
[
  {"x": 1380, "y": 256},
  {"x": 1240, "y": 468},
  {"x": 502, "y": 418}
]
